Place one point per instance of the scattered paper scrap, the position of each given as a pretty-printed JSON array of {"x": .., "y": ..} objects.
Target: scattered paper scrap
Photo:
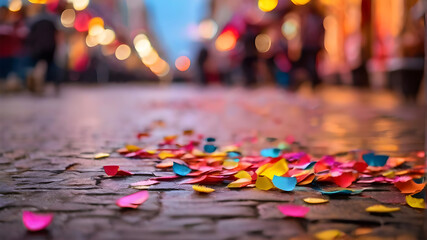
[
  {"x": 202, "y": 189},
  {"x": 329, "y": 234},
  {"x": 285, "y": 183},
  {"x": 114, "y": 170},
  {"x": 36, "y": 222},
  {"x": 415, "y": 202},
  {"x": 381, "y": 209},
  {"x": 315, "y": 200},
  {"x": 132, "y": 200},
  {"x": 180, "y": 169},
  {"x": 101, "y": 155},
  {"x": 291, "y": 210}
]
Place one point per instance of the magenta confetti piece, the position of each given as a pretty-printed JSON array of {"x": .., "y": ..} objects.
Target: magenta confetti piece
[
  {"x": 133, "y": 200},
  {"x": 36, "y": 222},
  {"x": 291, "y": 210}
]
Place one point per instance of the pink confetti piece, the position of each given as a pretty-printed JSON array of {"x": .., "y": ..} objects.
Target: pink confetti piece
[
  {"x": 291, "y": 210},
  {"x": 144, "y": 183},
  {"x": 133, "y": 200},
  {"x": 36, "y": 222}
]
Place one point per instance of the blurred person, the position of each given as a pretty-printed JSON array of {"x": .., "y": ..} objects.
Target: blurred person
[
  {"x": 250, "y": 58},
  {"x": 41, "y": 46},
  {"x": 12, "y": 33},
  {"x": 312, "y": 35},
  {"x": 201, "y": 62}
]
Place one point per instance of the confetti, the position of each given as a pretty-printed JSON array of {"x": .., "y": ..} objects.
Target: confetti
[
  {"x": 243, "y": 174},
  {"x": 285, "y": 183},
  {"x": 409, "y": 187},
  {"x": 381, "y": 209},
  {"x": 101, "y": 155},
  {"x": 345, "y": 179},
  {"x": 263, "y": 183},
  {"x": 315, "y": 200},
  {"x": 415, "y": 202},
  {"x": 291, "y": 210},
  {"x": 165, "y": 154},
  {"x": 209, "y": 148},
  {"x": 270, "y": 152},
  {"x": 343, "y": 191},
  {"x": 181, "y": 169},
  {"x": 202, "y": 189},
  {"x": 132, "y": 200},
  {"x": 36, "y": 222},
  {"x": 132, "y": 148},
  {"x": 144, "y": 183},
  {"x": 375, "y": 160},
  {"x": 277, "y": 169},
  {"x": 329, "y": 234},
  {"x": 242, "y": 182},
  {"x": 114, "y": 170}
]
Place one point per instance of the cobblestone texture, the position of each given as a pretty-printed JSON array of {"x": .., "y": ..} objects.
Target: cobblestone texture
[{"x": 47, "y": 144}]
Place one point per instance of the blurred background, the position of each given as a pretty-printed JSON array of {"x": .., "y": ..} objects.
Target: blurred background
[{"x": 371, "y": 44}]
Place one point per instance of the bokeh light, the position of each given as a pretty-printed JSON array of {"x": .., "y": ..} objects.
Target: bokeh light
[
  {"x": 80, "y": 4},
  {"x": 96, "y": 26},
  {"x": 68, "y": 17},
  {"x": 160, "y": 68},
  {"x": 226, "y": 41},
  {"x": 290, "y": 28},
  {"x": 151, "y": 58},
  {"x": 122, "y": 52},
  {"x": 91, "y": 41},
  {"x": 81, "y": 23},
  {"x": 208, "y": 29},
  {"x": 182, "y": 63},
  {"x": 142, "y": 45},
  {"x": 267, "y": 5},
  {"x": 38, "y": 1},
  {"x": 300, "y": 2},
  {"x": 15, "y": 5},
  {"x": 106, "y": 37},
  {"x": 263, "y": 43}
]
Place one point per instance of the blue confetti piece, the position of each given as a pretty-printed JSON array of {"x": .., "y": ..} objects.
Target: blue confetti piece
[
  {"x": 341, "y": 191},
  {"x": 375, "y": 160},
  {"x": 180, "y": 169},
  {"x": 270, "y": 152},
  {"x": 210, "y": 139},
  {"x": 285, "y": 183},
  {"x": 209, "y": 148},
  {"x": 233, "y": 154},
  {"x": 310, "y": 165}
]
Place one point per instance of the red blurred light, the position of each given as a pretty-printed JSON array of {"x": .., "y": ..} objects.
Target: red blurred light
[{"x": 81, "y": 23}]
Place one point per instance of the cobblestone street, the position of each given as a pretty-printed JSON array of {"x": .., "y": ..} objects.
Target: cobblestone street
[{"x": 47, "y": 146}]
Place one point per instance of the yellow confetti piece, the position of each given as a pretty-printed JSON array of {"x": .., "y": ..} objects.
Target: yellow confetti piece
[
  {"x": 198, "y": 153},
  {"x": 229, "y": 164},
  {"x": 329, "y": 234},
  {"x": 263, "y": 183},
  {"x": 101, "y": 155},
  {"x": 151, "y": 151},
  {"x": 165, "y": 154},
  {"x": 132, "y": 148},
  {"x": 262, "y": 168},
  {"x": 389, "y": 174},
  {"x": 243, "y": 174},
  {"x": 202, "y": 189},
  {"x": 219, "y": 154},
  {"x": 278, "y": 169},
  {"x": 415, "y": 202},
  {"x": 315, "y": 200},
  {"x": 242, "y": 182},
  {"x": 381, "y": 209}
]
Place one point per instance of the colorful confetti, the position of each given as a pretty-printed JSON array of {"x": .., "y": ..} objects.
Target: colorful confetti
[
  {"x": 133, "y": 200},
  {"x": 291, "y": 210},
  {"x": 36, "y": 222},
  {"x": 381, "y": 209}
]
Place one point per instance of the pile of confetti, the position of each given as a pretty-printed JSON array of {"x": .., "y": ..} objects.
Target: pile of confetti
[{"x": 199, "y": 161}]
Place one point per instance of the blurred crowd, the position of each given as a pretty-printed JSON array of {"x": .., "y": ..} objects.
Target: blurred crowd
[{"x": 286, "y": 43}]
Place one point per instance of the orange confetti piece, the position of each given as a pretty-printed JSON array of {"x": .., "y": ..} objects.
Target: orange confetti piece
[
  {"x": 242, "y": 182},
  {"x": 410, "y": 187}
]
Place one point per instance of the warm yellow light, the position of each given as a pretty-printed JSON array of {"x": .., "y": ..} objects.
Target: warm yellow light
[
  {"x": 142, "y": 45},
  {"x": 106, "y": 37},
  {"x": 300, "y": 2},
  {"x": 80, "y": 4},
  {"x": 67, "y": 17},
  {"x": 91, "y": 41},
  {"x": 207, "y": 29},
  {"x": 96, "y": 26},
  {"x": 123, "y": 52},
  {"x": 290, "y": 28},
  {"x": 267, "y": 5},
  {"x": 182, "y": 63},
  {"x": 263, "y": 43},
  {"x": 226, "y": 41},
  {"x": 15, "y": 5},
  {"x": 151, "y": 58},
  {"x": 160, "y": 68},
  {"x": 38, "y": 1}
]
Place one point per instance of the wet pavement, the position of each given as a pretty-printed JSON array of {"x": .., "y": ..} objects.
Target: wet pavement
[{"x": 47, "y": 146}]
